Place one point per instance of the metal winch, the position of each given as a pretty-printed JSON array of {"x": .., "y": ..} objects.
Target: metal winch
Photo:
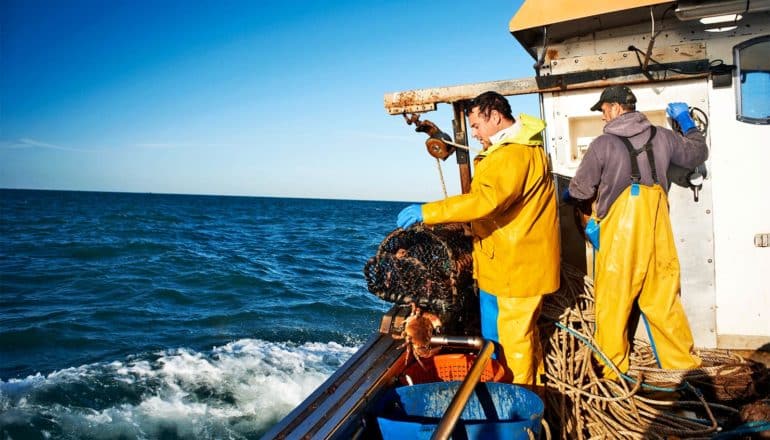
[{"x": 438, "y": 144}]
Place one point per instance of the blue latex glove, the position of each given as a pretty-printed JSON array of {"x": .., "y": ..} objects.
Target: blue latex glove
[
  {"x": 409, "y": 216},
  {"x": 567, "y": 198},
  {"x": 592, "y": 233},
  {"x": 680, "y": 112}
]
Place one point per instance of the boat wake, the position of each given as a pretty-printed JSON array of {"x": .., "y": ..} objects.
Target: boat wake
[{"x": 238, "y": 390}]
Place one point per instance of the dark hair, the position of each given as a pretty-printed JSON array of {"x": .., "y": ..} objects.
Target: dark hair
[
  {"x": 628, "y": 107},
  {"x": 488, "y": 101}
]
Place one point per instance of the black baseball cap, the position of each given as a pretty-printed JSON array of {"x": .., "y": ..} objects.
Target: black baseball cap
[{"x": 619, "y": 94}]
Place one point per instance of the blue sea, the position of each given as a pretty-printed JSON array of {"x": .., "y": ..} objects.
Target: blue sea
[{"x": 144, "y": 316}]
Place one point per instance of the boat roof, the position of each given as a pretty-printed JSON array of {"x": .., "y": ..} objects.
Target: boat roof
[{"x": 569, "y": 18}]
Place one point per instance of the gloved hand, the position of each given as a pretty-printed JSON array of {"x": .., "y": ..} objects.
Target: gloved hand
[
  {"x": 567, "y": 198},
  {"x": 592, "y": 232},
  {"x": 409, "y": 216},
  {"x": 680, "y": 112}
]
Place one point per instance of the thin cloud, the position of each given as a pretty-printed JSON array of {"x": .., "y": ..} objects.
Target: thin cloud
[
  {"x": 367, "y": 135},
  {"x": 161, "y": 146},
  {"x": 175, "y": 146},
  {"x": 28, "y": 143},
  {"x": 33, "y": 143},
  {"x": 357, "y": 134}
]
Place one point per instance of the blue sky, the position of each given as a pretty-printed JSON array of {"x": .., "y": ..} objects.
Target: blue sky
[{"x": 263, "y": 98}]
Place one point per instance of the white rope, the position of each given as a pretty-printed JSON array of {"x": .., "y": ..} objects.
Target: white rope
[
  {"x": 652, "y": 18},
  {"x": 441, "y": 176},
  {"x": 462, "y": 147},
  {"x": 438, "y": 162}
]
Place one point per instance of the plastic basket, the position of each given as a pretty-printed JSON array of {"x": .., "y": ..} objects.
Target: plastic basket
[{"x": 450, "y": 367}]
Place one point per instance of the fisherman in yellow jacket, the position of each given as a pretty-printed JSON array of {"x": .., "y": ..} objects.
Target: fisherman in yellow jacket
[{"x": 512, "y": 209}]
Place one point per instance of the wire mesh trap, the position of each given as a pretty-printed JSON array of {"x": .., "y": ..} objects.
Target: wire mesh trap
[{"x": 430, "y": 266}]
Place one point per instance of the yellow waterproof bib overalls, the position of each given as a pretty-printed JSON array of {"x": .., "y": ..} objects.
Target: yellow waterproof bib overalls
[{"x": 637, "y": 261}]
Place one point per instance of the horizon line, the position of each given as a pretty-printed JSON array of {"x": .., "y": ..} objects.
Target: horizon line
[{"x": 206, "y": 195}]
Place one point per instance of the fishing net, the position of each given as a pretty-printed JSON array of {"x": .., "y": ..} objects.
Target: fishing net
[{"x": 430, "y": 266}]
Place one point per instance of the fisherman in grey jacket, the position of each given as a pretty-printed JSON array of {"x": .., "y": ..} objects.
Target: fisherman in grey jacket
[{"x": 630, "y": 229}]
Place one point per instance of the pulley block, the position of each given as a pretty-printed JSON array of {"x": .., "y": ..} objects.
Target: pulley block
[{"x": 438, "y": 148}]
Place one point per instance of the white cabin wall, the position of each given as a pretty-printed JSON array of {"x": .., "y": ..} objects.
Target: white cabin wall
[
  {"x": 740, "y": 157},
  {"x": 723, "y": 292},
  {"x": 692, "y": 222}
]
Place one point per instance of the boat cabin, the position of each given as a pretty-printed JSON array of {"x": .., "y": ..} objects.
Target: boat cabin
[{"x": 713, "y": 55}]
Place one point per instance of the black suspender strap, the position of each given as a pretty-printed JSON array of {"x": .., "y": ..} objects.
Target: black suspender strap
[
  {"x": 636, "y": 176},
  {"x": 650, "y": 155}
]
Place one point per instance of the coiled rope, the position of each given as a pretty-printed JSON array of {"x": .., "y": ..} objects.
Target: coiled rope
[{"x": 648, "y": 402}]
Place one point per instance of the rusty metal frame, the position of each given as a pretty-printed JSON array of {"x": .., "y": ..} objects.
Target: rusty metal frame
[
  {"x": 679, "y": 53},
  {"x": 417, "y": 100},
  {"x": 461, "y": 137}
]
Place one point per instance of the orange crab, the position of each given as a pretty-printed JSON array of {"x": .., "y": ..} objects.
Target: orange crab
[{"x": 418, "y": 329}]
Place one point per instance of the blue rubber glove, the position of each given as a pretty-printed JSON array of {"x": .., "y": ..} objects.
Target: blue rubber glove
[
  {"x": 409, "y": 216},
  {"x": 680, "y": 112},
  {"x": 567, "y": 198},
  {"x": 592, "y": 232}
]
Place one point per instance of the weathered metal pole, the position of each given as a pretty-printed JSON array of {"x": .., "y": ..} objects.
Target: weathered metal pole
[{"x": 461, "y": 137}]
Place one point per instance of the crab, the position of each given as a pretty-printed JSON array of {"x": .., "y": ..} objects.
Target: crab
[{"x": 418, "y": 329}]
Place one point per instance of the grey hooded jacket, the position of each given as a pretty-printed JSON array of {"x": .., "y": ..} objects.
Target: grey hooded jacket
[{"x": 606, "y": 167}]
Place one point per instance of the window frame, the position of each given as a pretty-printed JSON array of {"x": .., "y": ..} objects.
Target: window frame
[{"x": 737, "y": 81}]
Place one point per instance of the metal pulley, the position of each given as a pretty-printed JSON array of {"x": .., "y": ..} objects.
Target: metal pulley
[
  {"x": 438, "y": 144},
  {"x": 438, "y": 148}
]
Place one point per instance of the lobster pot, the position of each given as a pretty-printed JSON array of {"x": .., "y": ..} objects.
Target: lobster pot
[
  {"x": 494, "y": 411},
  {"x": 431, "y": 266}
]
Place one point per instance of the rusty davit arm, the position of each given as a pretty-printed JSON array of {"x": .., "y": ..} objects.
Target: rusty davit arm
[{"x": 422, "y": 100}]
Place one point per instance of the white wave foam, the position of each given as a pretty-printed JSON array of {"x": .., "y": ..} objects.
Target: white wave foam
[{"x": 238, "y": 389}]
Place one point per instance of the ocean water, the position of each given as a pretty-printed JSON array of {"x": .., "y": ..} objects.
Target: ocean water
[{"x": 174, "y": 316}]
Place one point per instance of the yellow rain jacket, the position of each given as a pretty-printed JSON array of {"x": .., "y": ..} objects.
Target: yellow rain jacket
[{"x": 512, "y": 209}]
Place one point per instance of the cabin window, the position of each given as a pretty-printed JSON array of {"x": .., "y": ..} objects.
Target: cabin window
[{"x": 752, "y": 60}]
